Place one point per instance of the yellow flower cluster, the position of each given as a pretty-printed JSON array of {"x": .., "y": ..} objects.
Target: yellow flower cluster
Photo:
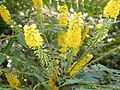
[
  {"x": 71, "y": 37},
  {"x": 79, "y": 65},
  {"x": 12, "y": 79},
  {"x": 112, "y": 9},
  {"x": 38, "y": 3},
  {"x": 32, "y": 36},
  {"x": 74, "y": 31},
  {"x": 5, "y": 14},
  {"x": 63, "y": 18}
]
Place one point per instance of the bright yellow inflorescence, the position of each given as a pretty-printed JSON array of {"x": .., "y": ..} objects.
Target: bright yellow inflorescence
[
  {"x": 71, "y": 37},
  {"x": 38, "y": 3},
  {"x": 112, "y": 9},
  {"x": 32, "y": 36},
  {"x": 74, "y": 31},
  {"x": 12, "y": 79},
  {"x": 5, "y": 14},
  {"x": 79, "y": 65},
  {"x": 63, "y": 18}
]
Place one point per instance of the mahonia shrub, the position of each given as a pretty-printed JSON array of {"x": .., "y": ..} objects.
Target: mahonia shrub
[{"x": 54, "y": 47}]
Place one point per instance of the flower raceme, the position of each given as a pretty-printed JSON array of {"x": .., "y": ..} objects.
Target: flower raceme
[
  {"x": 38, "y": 3},
  {"x": 80, "y": 64},
  {"x": 63, "y": 18},
  {"x": 71, "y": 37},
  {"x": 74, "y": 31},
  {"x": 32, "y": 36},
  {"x": 5, "y": 14},
  {"x": 12, "y": 79},
  {"x": 112, "y": 9}
]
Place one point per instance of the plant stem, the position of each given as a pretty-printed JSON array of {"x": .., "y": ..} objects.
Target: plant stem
[
  {"x": 8, "y": 37},
  {"x": 5, "y": 70},
  {"x": 106, "y": 54}
]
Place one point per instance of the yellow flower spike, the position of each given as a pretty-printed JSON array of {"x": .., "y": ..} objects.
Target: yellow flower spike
[
  {"x": 5, "y": 14},
  {"x": 74, "y": 38},
  {"x": 38, "y": 3},
  {"x": 32, "y": 36},
  {"x": 112, "y": 9},
  {"x": 12, "y": 79},
  {"x": 71, "y": 37},
  {"x": 80, "y": 64},
  {"x": 63, "y": 18}
]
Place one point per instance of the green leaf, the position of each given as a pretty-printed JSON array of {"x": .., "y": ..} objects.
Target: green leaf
[
  {"x": 61, "y": 3},
  {"x": 74, "y": 5},
  {"x": 21, "y": 40},
  {"x": 47, "y": 3},
  {"x": 71, "y": 81},
  {"x": 54, "y": 3},
  {"x": 6, "y": 49},
  {"x": 41, "y": 79}
]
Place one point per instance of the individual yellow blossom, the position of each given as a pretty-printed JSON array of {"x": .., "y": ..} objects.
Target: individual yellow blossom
[
  {"x": 52, "y": 83},
  {"x": 63, "y": 55},
  {"x": 112, "y": 9},
  {"x": 56, "y": 62},
  {"x": 12, "y": 79},
  {"x": 63, "y": 49},
  {"x": 5, "y": 14},
  {"x": 99, "y": 26},
  {"x": 63, "y": 17},
  {"x": 38, "y": 3},
  {"x": 80, "y": 64},
  {"x": 64, "y": 9},
  {"x": 32, "y": 36}
]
